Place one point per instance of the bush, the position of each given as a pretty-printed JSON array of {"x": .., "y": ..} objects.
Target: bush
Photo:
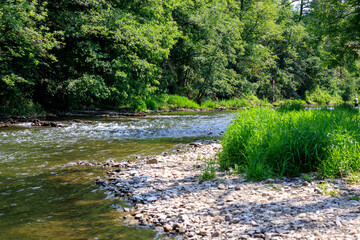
[
  {"x": 138, "y": 105},
  {"x": 322, "y": 97},
  {"x": 268, "y": 143},
  {"x": 151, "y": 104},
  {"x": 25, "y": 108}
]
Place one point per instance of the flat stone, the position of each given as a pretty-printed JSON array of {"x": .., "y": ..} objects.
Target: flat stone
[{"x": 152, "y": 161}]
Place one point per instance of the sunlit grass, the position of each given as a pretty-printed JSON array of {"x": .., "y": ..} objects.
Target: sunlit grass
[{"x": 267, "y": 143}]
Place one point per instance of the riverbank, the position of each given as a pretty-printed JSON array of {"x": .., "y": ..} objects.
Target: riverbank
[{"x": 166, "y": 193}]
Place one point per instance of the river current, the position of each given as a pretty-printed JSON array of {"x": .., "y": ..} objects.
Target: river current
[{"x": 44, "y": 195}]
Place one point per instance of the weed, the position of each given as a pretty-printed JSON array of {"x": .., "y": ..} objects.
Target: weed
[
  {"x": 355, "y": 197},
  {"x": 306, "y": 177},
  {"x": 324, "y": 187},
  {"x": 353, "y": 178},
  {"x": 276, "y": 188},
  {"x": 209, "y": 172}
]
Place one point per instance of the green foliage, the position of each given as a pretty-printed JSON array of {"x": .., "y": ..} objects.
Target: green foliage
[
  {"x": 151, "y": 104},
  {"x": 292, "y": 105},
  {"x": 209, "y": 172},
  {"x": 355, "y": 198},
  {"x": 89, "y": 54},
  {"x": 176, "y": 101},
  {"x": 322, "y": 97},
  {"x": 86, "y": 90},
  {"x": 26, "y": 108},
  {"x": 267, "y": 143},
  {"x": 138, "y": 105},
  {"x": 229, "y": 103},
  {"x": 307, "y": 177}
]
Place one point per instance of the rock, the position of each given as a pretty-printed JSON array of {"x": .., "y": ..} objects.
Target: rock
[
  {"x": 318, "y": 190},
  {"x": 203, "y": 232},
  {"x": 138, "y": 216},
  {"x": 269, "y": 181},
  {"x": 238, "y": 188},
  {"x": 228, "y": 217},
  {"x": 168, "y": 228},
  {"x": 151, "y": 199},
  {"x": 169, "y": 196},
  {"x": 152, "y": 161},
  {"x": 235, "y": 220},
  {"x": 218, "y": 219},
  {"x": 305, "y": 184}
]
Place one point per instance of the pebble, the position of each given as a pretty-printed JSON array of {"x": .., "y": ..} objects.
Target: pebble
[{"x": 166, "y": 193}]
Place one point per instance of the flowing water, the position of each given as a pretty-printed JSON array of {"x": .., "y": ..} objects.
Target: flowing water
[{"x": 44, "y": 195}]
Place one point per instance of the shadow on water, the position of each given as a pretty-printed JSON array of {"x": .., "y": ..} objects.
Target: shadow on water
[{"x": 61, "y": 205}]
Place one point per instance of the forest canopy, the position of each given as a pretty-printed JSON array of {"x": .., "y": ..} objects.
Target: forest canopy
[{"x": 70, "y": 54}]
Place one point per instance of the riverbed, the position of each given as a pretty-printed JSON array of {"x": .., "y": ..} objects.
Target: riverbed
[{"x": 46, "y": 195}]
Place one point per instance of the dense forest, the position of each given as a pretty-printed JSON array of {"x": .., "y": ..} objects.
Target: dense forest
[{"x": 72, "y": 54}]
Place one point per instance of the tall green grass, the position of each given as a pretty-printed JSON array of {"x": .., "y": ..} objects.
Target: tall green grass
[
  {"x": 176, "y": 101},
  {"x": 270, "y": 143},
  {"x": 228, "y": 103}
]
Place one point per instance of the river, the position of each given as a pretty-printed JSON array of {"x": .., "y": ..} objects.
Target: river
[{"x": 45, "y": 195}]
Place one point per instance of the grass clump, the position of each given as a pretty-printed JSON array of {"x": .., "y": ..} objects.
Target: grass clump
[
  {"x": 228, "y": 103},
  {"x": 176, "y": 101},
  {"x": 266, "y": 143},
  {"x": 209, "y": 172},
  {"x": 355, "y": 198},
  {"x": 292, "y": 105}
]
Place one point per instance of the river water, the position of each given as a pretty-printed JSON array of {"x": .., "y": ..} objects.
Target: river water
[{"x": 44, "y": 195}]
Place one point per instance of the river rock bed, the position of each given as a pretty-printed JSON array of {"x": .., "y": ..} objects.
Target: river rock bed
[{"x": 166, "y": 193}]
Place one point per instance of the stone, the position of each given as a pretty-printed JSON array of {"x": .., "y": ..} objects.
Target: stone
[
  {"x": 169, "y": 196},
  {"x": 151, "y": 199},
  {"x": 203, "y": 232},
  {"x": 138, "y": 215},
  {"x": 305, "y": 184},
  {"x": 238, "y": 188},
  {"x": 168, "y": 228},
  {"x": 218, "y": 219},
  {"x": 152, "y": 161}
]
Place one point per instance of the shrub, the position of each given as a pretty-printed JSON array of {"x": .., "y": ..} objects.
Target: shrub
[
  {"x": 138, "y": 105},
  {"x": 268, "y": 143},
  {"x": 151, "y": 104},
  {"x": 322, "y": 97}
]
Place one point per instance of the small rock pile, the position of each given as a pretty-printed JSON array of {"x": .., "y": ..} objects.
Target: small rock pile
[{"x": 166, "y": 193}]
